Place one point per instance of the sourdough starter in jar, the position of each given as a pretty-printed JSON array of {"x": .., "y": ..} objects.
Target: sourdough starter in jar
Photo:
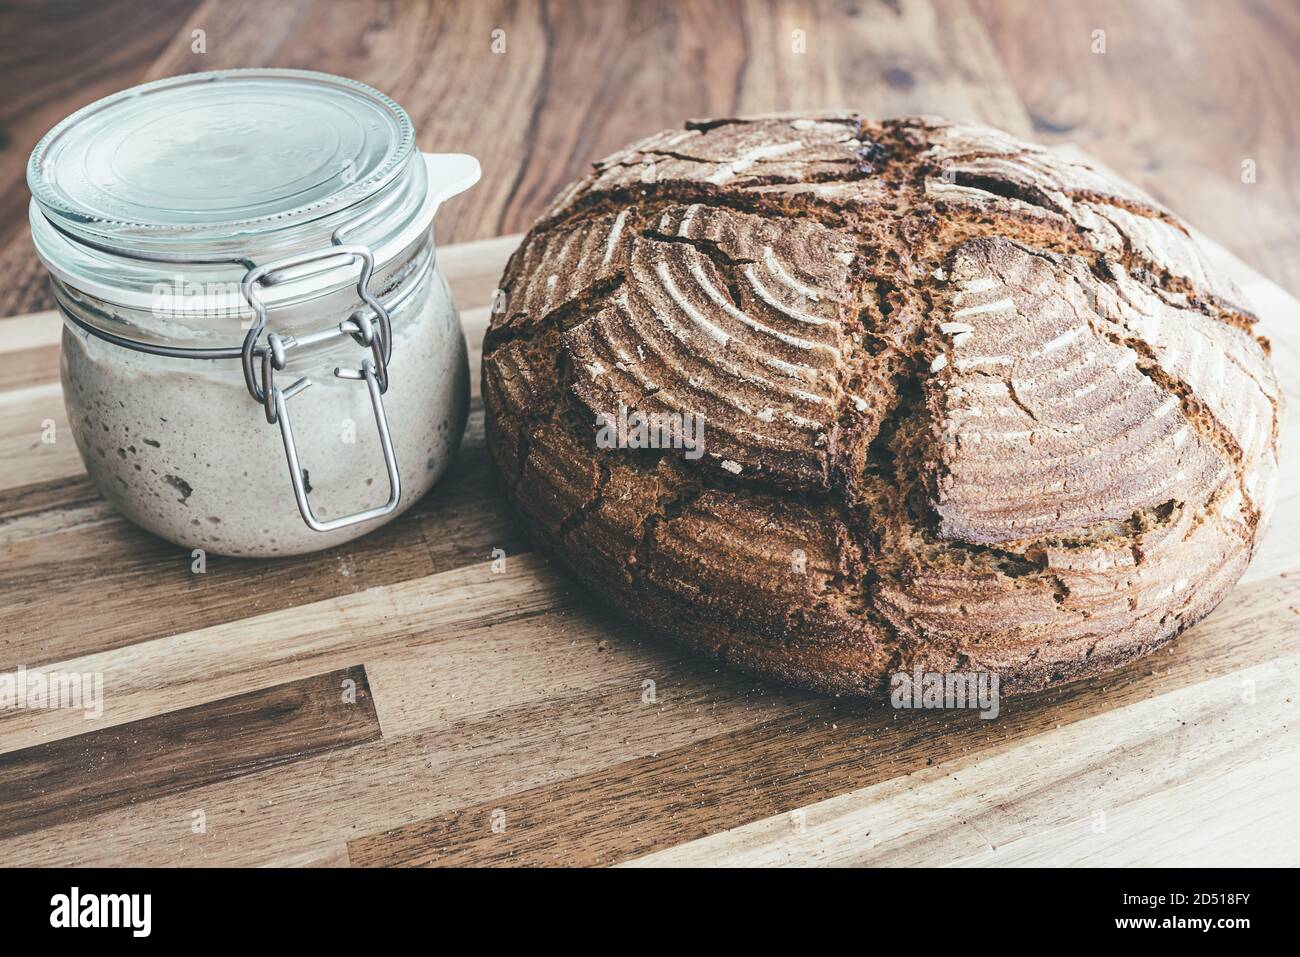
[
  {"x": 158, "y": 436},
  {"x": 298, "y": 206}
]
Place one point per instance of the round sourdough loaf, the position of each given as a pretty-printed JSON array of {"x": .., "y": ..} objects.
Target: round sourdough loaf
[{"x": 967, "y": 405}]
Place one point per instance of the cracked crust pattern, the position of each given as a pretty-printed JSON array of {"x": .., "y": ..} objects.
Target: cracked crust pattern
[{"x": 967, "y": 405}]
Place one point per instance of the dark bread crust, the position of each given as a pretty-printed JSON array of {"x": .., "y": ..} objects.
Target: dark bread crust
[{"x": 968, "y": 405}]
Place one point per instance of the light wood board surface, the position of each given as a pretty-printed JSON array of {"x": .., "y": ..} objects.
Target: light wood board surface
[{"x": 499, "y": 717}]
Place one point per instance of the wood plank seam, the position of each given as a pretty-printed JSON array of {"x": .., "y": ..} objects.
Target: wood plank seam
[
  {"x": 79, "y": 777},
  {"x": 578, "y": 821}
]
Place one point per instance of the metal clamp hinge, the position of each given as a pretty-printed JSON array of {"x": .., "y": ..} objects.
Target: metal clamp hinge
[{"x": 261, "y": 362}]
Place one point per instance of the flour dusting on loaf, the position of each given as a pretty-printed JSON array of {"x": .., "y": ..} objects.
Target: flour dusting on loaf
[{"x": 967, "y": 405}]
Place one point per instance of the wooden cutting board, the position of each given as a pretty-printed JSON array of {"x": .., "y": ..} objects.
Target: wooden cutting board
[{"x": 500, "y": 717}]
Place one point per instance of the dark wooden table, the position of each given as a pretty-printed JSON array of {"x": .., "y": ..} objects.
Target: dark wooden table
[
  {"x": 495, "y": 716},
  {"x": 1183, "y": 95}
]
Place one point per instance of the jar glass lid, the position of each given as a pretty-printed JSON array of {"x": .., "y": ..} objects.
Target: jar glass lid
[{"x": 209, "y": 157}]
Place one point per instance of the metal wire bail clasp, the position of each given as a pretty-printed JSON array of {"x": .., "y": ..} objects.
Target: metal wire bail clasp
[{"x": 261, "y": 362}]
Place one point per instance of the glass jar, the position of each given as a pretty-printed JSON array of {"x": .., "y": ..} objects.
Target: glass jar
[{"x": 246, "y": 271}]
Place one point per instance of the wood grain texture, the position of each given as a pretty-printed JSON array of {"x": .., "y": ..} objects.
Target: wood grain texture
[
  {"x": 43, "y": 84},
  {"x": 1035, "y": 803},
  {"x": 587, "y": 820},
  {"x": 74, "y": 778},
  {"x": 148, "y": 587},
  {"x": 1172, "y": 72},
  {"x": 506, "y": 689},
  {"x": 1183, "y": 95}
]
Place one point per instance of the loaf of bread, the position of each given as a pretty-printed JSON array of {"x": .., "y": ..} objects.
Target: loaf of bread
[{"x": 959, "y": 403}]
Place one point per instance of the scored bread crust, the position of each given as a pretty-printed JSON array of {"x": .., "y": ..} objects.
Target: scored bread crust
[{"x": 968, "y": 405}]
